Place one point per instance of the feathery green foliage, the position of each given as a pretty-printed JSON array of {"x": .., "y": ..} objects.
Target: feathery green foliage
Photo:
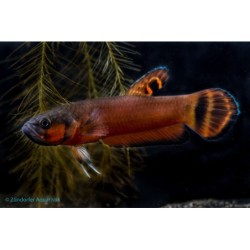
[{"x": 52, "y": 74}]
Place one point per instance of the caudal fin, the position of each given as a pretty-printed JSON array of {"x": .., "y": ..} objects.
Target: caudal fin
[{"x": 210, "y": 111}]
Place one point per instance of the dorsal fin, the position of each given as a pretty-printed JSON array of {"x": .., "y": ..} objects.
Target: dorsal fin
[{"x": 146, "y": 85}]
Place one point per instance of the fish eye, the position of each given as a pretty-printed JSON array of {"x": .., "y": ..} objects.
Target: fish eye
[{"x": 45, "y": 123}]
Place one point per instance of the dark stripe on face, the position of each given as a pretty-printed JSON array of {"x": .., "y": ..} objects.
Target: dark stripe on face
[
  {"x": 70, "y": 130},
  {"x": 66, "y": 134}
]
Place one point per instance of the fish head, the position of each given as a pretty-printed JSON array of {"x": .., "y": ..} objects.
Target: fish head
[{"x": 54, "y": 127}]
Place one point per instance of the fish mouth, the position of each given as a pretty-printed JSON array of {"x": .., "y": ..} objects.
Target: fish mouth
[{"x": 31, "y": 132}]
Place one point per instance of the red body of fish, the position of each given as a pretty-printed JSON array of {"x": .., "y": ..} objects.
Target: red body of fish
[
  {"x": 136, "y": 118},
  {"x": 131, "y": 120}
]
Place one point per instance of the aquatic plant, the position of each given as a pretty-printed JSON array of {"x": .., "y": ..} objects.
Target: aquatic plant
[{"x": 52, "y": 74}]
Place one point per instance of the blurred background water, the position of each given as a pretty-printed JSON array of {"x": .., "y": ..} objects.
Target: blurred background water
[{"x": 196, "y": 169}]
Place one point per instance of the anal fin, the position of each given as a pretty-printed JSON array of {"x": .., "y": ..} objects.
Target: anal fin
[{"x": 172, "y": 133}]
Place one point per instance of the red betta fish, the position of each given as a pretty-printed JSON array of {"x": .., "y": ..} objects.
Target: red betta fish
[{"x": 136, "y": 118}]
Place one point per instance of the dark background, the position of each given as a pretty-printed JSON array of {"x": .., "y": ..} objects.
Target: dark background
[{"x": 196, "y": 169}]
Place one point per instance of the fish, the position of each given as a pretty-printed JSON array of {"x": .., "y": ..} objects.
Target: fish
[{"x": 136, "y": 118}]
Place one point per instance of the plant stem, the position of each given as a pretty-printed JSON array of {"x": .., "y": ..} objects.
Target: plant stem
[
  {"x": 41, "y": 78},
  {"x": 118, "y": 71},
  {"x": 92, "y": 86}
]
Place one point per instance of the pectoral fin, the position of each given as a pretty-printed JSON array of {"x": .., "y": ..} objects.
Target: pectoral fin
[{"x": 94, "y": 127}]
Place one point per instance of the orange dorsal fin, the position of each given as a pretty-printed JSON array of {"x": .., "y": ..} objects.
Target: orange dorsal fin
[{"x": 147, "y": 84}]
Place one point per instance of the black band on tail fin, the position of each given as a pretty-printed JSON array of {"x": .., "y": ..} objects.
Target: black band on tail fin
[{"x": 212, "y": 111}]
